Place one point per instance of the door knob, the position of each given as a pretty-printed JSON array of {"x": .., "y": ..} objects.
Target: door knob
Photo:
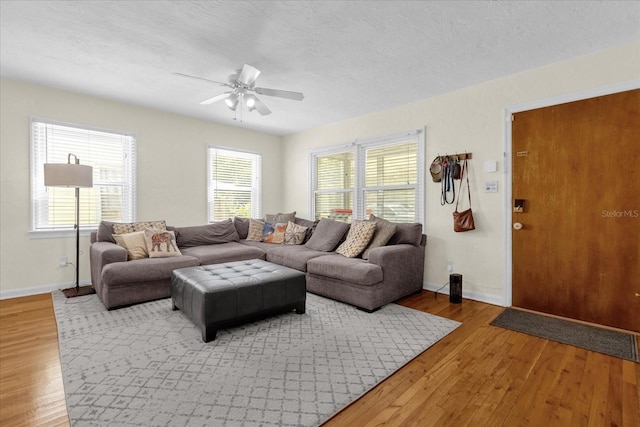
[
  {"x": 637, "y": 294},
  {"x": 517, "y": 226}
]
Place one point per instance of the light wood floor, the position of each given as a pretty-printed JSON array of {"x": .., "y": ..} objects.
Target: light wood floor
[{"x": 479, "y": 375}]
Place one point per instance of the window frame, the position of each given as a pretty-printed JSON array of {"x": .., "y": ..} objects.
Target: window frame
[
  {"x": 359, "y": 149},
  {"x": 37, "y": 188},
  {"x": 256, "y": 190}
]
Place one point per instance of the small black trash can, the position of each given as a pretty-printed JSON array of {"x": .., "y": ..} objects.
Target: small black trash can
[{"x": 455, "y": 288}]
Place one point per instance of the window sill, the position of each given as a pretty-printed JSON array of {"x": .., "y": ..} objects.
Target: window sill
[{"x": 59, "y": 234}]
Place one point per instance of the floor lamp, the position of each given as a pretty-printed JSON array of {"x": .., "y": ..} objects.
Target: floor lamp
[{"x": 72, "y": 175}]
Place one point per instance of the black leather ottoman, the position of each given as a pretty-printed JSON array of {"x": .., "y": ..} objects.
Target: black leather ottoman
[{"x": 221, "y": 295}]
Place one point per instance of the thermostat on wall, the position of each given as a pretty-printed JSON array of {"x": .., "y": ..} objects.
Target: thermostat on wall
[{"x": 491, "y": 186}]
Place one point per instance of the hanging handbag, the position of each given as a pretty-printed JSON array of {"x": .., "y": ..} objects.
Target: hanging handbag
[{"x": 463, "y": 221}]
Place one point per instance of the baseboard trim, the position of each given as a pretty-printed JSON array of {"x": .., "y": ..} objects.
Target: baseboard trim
[
  {"x": 36, "y": 290},
  {"x": 476, "y": 296}
]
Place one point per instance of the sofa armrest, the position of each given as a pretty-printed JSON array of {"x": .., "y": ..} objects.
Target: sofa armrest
[
  {"x": 101, "y": 254},
  {"x": 402, "y": 266},
  {"x": 391, "y": 255}
]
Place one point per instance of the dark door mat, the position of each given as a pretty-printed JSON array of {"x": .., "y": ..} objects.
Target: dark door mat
[{"x": 613, "y": 343}]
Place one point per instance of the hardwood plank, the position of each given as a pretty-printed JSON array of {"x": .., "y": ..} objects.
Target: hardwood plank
[
  {"x": 31, "y": 390},
  {"x": 479, "y": 375}
]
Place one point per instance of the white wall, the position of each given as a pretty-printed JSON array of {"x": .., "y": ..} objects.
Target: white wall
[
  {"x": 171, "y": 174},
  {"x": 171, "y": 166},
  {"x": 470, "y": 119}
]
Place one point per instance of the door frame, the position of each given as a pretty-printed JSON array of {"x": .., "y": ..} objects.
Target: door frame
[{"x": 507, "y": 296}]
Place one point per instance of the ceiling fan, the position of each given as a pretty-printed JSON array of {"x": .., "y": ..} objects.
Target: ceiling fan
[{"x": 241, "y": 85}]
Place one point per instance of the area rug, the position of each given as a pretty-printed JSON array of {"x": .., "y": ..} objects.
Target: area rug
[
  {"x": 146, "y": 365},
  {"x": 606, "y": 341}
]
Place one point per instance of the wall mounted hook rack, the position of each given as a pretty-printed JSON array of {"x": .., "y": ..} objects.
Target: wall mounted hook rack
[{"x": 457, "y": 156}]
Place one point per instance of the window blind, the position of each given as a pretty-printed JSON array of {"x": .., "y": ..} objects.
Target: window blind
[
  {"x": 390, "y": 178},
  {"x": 335, "y": 183},
  {"x": 381, "y": 176},
  {"x": 234, "y": 184},
  {"x": 112, "y": 156}
]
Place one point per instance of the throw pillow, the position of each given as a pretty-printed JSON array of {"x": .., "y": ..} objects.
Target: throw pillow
[
  {"x": 105, "y": 232},
  {"x": 280, "y": 217},
  {"x": 358, "y": 238},
  {"x": 384, "y": 231},
  {"x": 273, "y": 233},
  {"x": 161, "y": 243},
  {"x": 255, "y": 230},
  {"x": 327, "y": 235},
  {"x": 134, "y": 243},
  {"x": 311, "y": 226},
  {"x": 124, "y": 227},
  {"x": 242, "y": 226},
  {"x": 294, "y": 234},
  {"x": 210, "y": 234},
  {"x": 409, "y": 233}
]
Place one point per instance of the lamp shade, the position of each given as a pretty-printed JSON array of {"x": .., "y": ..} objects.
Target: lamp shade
[{"x": 67, "y": 175}]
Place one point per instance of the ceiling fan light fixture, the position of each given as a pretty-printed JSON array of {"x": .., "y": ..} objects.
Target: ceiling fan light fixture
[
  {"x": 232, "y": 101},
  {"x": 250, "y": 101}
]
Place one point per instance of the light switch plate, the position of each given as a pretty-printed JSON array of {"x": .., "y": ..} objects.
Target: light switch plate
[
  {"x": 491, "y": 186},
  {"x": 490, "y": 166}
]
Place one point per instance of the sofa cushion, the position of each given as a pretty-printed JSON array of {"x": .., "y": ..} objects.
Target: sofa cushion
[
  {"x": 384, "y": 231},
  {"x": 134, "y": 243},
  {"x": 410, "y": 233},
  {"x": 209, "y": 234},
  {"x": 291, "y": 256},
  {"x": 358, "y": 237},
  {"x": 280, "y": 217},
  {"x": 161, "y": 243},
  {"x": 144, "y": 270},
  {"x": 327, "y": 235},
  {"x": 294, "y": 234},
  {"x": 232, "y": 251},
  {"x": 353, "y": 270}
]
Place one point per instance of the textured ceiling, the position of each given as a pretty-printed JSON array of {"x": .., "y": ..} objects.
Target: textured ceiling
[{"x": 349, "y": 58}]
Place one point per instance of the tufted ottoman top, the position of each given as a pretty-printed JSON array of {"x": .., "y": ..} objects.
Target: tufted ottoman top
[
  {"x": 213, "y": 296},
  {"x": 237, "y": 273}
]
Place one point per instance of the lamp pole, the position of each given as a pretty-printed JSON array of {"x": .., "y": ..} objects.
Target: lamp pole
[{"x": 77, "y": 227}]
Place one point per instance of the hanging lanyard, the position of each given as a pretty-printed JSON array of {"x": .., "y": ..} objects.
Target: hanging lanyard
[{"x": 448, "y": 184}]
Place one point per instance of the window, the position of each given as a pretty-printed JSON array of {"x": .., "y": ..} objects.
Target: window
[
  {"x": 112, "y": 156},
  {"x": 233, "y": 184},
  {"x": 382, "y": 176},
  {"x": 335, "y": 179}
]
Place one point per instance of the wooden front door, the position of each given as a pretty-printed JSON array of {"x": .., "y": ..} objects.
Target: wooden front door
[{"x": 577, "y": 168}]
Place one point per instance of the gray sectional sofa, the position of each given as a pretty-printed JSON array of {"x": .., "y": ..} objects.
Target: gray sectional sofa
[{"x": 391, "y": 271}]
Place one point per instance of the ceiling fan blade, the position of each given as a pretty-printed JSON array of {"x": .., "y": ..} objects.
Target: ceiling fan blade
[
  {"x": 261, "y": 108},
  {"x": 248, "y": 75},
  {"x": 296, "y": 96},
  {"x": 201, "y": 78},
  {"x": 216, "y": 98}
]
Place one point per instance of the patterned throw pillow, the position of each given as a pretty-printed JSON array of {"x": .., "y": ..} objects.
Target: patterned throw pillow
[
  {"x": 273, "y": 233},
  {"x": 255, "y": 230},
  {"x": 134, "y": 243},
  {"x": 161, "y": 243},
  {"x": 358, "y": 238},
  {"x": 294, "y": 234},
  {"x": 124, "y": 227}
]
